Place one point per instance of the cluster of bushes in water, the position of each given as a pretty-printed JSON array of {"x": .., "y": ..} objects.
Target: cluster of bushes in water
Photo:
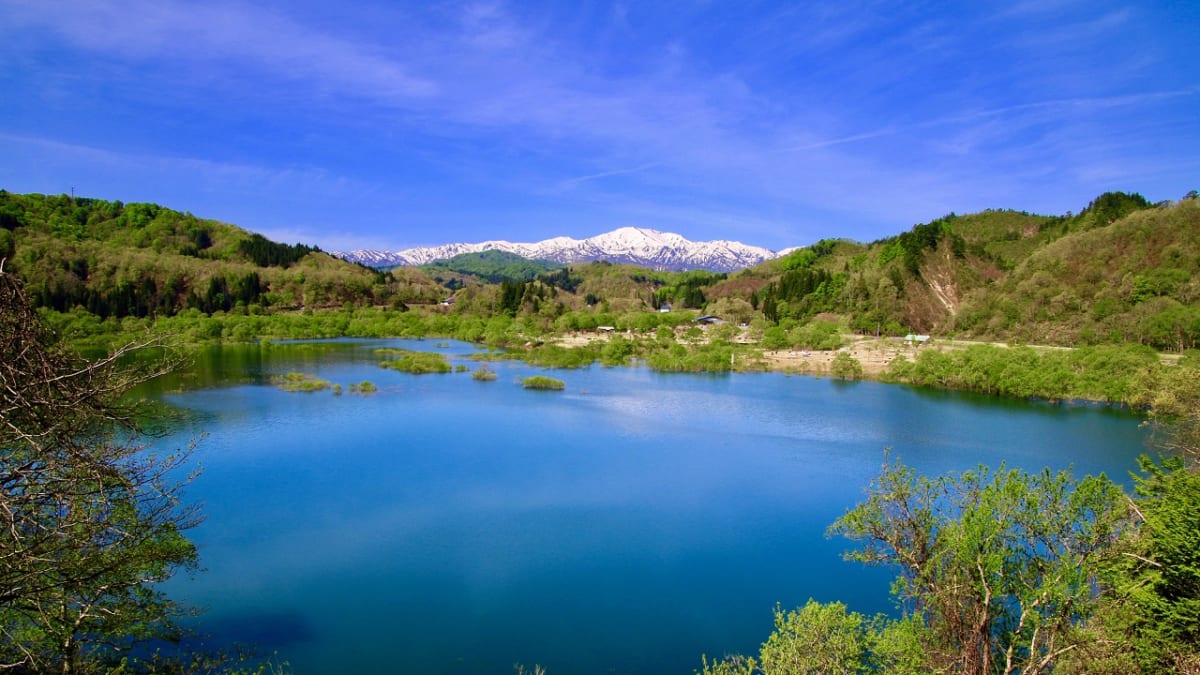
[
  {"x": 417, "y": 363},
  {"x": 543, "y": 382},
  {"x": 305, "y": 383}
]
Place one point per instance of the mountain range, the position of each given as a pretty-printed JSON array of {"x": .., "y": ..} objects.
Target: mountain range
[{"x": 628, "y": 245}]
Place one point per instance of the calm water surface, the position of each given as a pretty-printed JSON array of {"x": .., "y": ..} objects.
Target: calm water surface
[{"x": 626, "y": 525}]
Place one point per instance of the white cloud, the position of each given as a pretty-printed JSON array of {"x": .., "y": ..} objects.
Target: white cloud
[{"x": 233, "y": 36}]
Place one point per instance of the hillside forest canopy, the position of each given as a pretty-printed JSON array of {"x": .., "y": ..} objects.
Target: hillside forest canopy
[{"x": 1120, "y": 271}]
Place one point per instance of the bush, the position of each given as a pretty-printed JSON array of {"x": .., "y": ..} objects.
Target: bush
[
  {"x": 543, "y": 382},
  {"x": 846, "y": 367},
  {"x": 301, "y": 382},
  {"x": 483, "y": 374},
  {"x": 417, "y": 363}
]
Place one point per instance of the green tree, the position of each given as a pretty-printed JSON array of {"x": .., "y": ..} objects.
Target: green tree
[
  {"x": 846, "y": 367},
  {"x": 821, "y": 638},
  {"x": 999, "y": 568},
  {"x": 1149, "y": 620},
  {"x": 817, "y": 638},
  {"x": 90, "y": 520}
]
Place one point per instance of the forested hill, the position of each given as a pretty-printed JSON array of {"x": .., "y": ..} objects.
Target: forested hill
[
  {"x": 117, "y": 260},
  {"x": 491, "y": 266},
  {"x": 1122, "y": 270}
]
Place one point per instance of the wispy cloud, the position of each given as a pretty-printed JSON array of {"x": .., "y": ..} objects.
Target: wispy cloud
[
  {"x": 573, "y": 182},
  {"x": 252, "y": 179},
  {"x": 228, "y": 35},
  {"x": 823, "y": 114}
]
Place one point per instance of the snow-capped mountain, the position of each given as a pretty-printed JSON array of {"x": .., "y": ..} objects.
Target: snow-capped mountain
[{"x": 632, "y": 245}]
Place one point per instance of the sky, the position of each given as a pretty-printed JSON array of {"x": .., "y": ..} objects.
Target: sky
[{"x": 386, "y": 125}]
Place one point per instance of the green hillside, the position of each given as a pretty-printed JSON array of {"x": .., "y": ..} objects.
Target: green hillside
[
  {"x": 490, "y": 266},
  {"x": 118, "y": 260},
  {"x": 1122, "y": 270}
]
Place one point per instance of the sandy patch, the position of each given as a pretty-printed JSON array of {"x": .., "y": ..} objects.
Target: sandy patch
[{"x": 874, "y": 355}]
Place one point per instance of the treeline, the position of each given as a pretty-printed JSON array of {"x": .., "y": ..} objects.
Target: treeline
[
  {"x": 146, "y": 298},
  {"x": 266, "y": 253},
  {"x": 142, "y": 260},
  {"x": 1110, "y": 373},
  {"x": 490, "y": 266},
  {"x": 1122, "y": 270}
]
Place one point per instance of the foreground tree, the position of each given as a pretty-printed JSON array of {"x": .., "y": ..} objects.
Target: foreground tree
[
  {"x": 90, "y": 520},
  {"x": 997, "y": 572},
  {"x": 1149, "y": 616},
  {"x": 1148, "y": 619},
  {"x": 1000, "y": 568}
]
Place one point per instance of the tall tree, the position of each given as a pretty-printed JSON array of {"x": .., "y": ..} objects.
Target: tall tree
[{"x": 90, "y": 521}]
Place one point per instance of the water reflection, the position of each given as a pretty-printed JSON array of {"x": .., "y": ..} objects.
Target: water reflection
[{"x": 628, "y": 524}]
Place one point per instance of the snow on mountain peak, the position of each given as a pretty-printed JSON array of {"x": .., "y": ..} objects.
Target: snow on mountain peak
[{"x": 632, "y": 245}]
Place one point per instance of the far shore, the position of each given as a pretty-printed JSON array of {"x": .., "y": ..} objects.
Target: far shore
[{"x": 875, "y": 354}]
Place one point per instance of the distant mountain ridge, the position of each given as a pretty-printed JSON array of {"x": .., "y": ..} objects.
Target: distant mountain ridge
[{"x": 629, "y": 245}]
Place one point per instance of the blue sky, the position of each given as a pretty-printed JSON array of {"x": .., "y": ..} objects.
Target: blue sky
[{"x": 388, "y": 125}]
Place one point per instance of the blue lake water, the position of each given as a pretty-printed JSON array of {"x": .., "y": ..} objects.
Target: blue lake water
[{"x": 625, "y": 525}]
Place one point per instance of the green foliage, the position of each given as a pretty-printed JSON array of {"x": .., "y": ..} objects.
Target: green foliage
[
  {"x": 416, "y": 363},
  {"x": 266, "y": 253},
  {"x": 366, "y": 387},
  {"x": 1107, "y": 374},
  {"x": 817, "y": 638},
  {"x": 846, "y": 367},
  {"x": 563, "y": 279},
  {"x": 926, "y": 237},
  {"x": 617, "y": 351},
  {"x": 511, "y": 295},
  {"x": 240, "y": 661},
  {"x": 1112, "y": 206},
  {"x": 543, "y": 382},
  {"x": 1000, "y": 568},
  {"x": 493, "y": 266},
  {"x": 713, "y": 357},
  {"x": 1163, "y": 580},
  {"x": 775, "y": 337},
  {"x": 823, "y": 335},
  {"x": 554, "y": 356},
  {"x": 301, "y": 382},
  {"x": 1136, "y": 279},
  {"x": 92, "y": 521},
  {"x": 142, "y": 260},
  {"x": 483, "y": 374},
  {"x": 826, "y": 638}
]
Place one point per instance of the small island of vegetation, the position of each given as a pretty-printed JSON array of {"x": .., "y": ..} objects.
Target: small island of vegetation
[
  {"x": 416, "y": 363},
  {"x": 301, "y": 382},
  {"x": 543, "y": 382}
]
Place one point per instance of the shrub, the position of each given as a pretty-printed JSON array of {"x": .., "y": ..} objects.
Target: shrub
[
  {"x": 543, "y": 382},
  {"x": 846, "y": 367},
  {"x": 483, "y": 374},
  {"x": 417, "y": 363},
  {"x": 301, "y": 382}
]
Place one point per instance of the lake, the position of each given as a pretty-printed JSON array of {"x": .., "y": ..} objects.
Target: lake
[{"x": 628, "y": 524}]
